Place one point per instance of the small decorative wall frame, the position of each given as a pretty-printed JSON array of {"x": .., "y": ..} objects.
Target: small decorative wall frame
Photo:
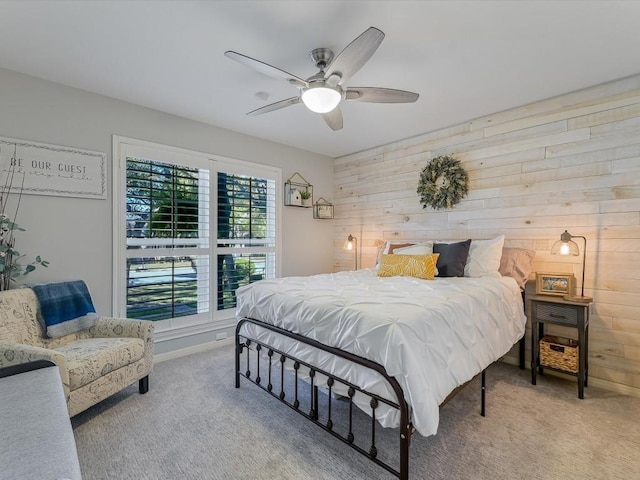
[
  {"x": 560, "y": 284},
  {"x": 322, "y": 209},
  {"x": 298, "y": 192},
  {"x": 53, "y": 169}
]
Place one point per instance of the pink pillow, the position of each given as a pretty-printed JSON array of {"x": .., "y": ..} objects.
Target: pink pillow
[{"x": 517, "y": 263}]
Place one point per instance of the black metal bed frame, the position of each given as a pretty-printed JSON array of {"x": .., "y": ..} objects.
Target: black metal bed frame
[
  {"x": 245, "y": 344},
  {"x": 406, "y": 427}
]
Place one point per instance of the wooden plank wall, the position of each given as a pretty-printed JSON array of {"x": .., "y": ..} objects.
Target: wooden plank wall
[{"x": 571, "y": 162}]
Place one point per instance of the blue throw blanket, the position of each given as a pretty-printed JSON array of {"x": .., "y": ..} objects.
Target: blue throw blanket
[{"x": 65, "y": 307}]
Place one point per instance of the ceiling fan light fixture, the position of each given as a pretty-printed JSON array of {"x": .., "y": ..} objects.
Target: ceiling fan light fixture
[
  {"x": 323, "y": 92},
  {"x": 321, "y": 99}
]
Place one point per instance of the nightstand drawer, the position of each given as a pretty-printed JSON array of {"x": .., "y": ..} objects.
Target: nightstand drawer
[{"x": 567, "y": 315}]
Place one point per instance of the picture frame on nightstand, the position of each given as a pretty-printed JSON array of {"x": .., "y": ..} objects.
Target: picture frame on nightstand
[{"x": 558, "y": 284}]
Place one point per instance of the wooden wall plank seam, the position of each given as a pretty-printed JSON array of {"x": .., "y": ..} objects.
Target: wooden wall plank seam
[{"x": 571, "y": 162}]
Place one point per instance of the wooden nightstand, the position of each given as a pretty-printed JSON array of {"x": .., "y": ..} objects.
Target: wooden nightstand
[{"x": 557, "y": 311}]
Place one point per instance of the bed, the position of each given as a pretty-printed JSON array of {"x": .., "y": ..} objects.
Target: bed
[{"x": 395, "y": 347}]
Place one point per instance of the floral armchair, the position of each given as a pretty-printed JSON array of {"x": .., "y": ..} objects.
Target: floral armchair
[{"x": 94, "y": 363}]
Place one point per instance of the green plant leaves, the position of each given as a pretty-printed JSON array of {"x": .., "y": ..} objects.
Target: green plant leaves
[{"x": 442, "y": 183}]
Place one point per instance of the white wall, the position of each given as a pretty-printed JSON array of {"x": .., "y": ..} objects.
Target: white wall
[
  {"x": 570, "y": 162},
  {"x": 75, "y": 234}
]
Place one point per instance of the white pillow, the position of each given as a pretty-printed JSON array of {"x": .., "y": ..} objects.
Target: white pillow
[
  {"x": 391, "y": 247},
  {"x": 484, "y": 258},
  {"x": 424, "y": 248}
]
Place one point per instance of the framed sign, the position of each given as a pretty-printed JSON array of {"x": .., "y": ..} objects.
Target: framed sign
[
  {"x": 555, "y": 283},
  {"x": 322, "y": 209},
  {"x": 52, "y": 169}
]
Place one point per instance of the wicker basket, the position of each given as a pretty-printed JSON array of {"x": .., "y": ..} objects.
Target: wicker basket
[{"x": 560, "y": 353}]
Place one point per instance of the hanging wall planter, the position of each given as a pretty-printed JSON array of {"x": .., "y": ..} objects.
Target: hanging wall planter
[{"x": 298, "y": 192}]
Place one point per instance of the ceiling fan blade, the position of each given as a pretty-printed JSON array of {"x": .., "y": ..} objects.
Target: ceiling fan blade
[
  {"x": 355, "y": 55},
  {"x": 333, "y": 119},
  {"x": 275, "y": 106},
  {"x": 380, "y": 95},
  {"x": 266, "y": 69}
]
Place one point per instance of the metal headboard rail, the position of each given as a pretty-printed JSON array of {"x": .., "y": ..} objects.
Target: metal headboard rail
[{"x": 406, "y": 428}]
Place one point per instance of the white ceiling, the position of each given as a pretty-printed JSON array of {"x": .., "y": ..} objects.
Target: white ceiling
[{"x": 465, "y": 59}]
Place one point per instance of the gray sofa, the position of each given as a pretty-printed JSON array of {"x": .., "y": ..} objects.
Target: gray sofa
[{"x": 37, "y": 440}]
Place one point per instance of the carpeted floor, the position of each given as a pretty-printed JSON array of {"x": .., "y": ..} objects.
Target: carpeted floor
[{"x": 194, "y": 425}]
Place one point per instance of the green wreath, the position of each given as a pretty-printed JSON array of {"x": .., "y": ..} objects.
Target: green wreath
[{"x": 443, "y": 183}]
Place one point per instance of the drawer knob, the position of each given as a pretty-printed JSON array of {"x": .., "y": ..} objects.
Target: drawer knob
[{"x": 555, "y": 315}]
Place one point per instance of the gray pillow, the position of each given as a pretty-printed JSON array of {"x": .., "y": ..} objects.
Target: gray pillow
[{"x": 452, "y": 259}]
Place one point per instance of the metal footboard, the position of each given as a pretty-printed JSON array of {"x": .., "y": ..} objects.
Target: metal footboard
[{"x": 246, "y": 345}]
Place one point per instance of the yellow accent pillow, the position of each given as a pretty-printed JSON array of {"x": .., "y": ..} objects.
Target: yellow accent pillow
[{"x": 419, "y": 266}]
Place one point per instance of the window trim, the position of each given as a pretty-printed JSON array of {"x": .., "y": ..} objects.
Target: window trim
[{"x": 121, "y": 146}]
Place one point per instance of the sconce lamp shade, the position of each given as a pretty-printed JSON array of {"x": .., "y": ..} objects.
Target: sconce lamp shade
[
  {"x": 566, "y": 246},
  {"x": 352, "y": 245}
]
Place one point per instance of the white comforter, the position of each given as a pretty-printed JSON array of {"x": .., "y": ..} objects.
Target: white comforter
[{"x": 431, "y": 335}]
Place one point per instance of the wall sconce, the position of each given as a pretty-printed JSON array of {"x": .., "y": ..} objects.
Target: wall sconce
[
  {"x": 566, "y": 246},
  {"x": 352, "y": 245}
]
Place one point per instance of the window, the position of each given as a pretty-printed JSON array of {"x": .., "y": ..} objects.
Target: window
[
  {"x": 246, "y": 233},
  {"x": 167, "y": 269},
  {"x": 167, "y": 239}
]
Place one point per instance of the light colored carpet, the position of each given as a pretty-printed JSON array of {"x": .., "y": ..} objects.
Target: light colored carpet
[{"x": 193, "y": 424}]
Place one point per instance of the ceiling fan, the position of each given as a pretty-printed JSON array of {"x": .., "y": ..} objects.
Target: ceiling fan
[{"x": 322, "y": 92}]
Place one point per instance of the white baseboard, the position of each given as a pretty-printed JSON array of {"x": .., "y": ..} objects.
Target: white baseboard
[
  {"x": 614, "y": 387},
  {"x": 594, "y": 382},
  {"x": 201, "y": 347}
]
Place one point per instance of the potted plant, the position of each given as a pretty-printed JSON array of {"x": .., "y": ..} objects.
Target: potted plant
[
  {"x": 306, "y": 195},
  {"x": 11, "y": 267}
]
